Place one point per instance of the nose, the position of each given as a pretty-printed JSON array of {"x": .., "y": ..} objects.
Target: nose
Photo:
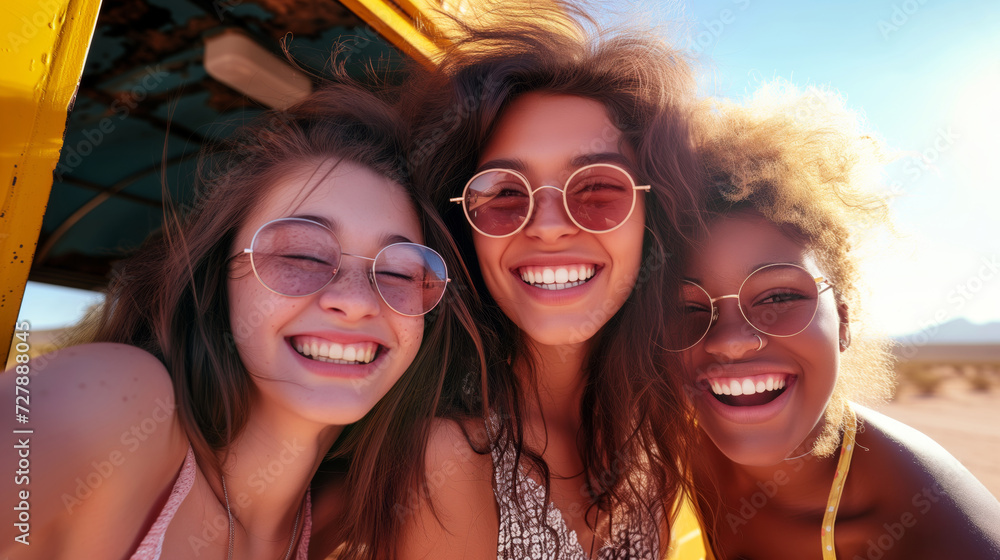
[
  {"x": 549, "y": 220},
  {"x": 351, "y": 294},
  {"x": 731, "y": 337}
]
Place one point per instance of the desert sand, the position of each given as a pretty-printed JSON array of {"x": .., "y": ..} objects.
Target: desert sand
[{"x": 965, "y": 422}]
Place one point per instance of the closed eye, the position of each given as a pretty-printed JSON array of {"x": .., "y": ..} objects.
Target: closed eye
[
  {"x": 599, "y": 186},
  {"x": 306, "y": 258},
  {"x": 397, "y": 275},
  {"x": 510, "y": 192}
]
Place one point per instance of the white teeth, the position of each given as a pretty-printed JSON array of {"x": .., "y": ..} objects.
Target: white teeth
[
  {"x": 324, "y": 351},
  {"x": 747, "y": 386},
  {"x": 558, "y": 286},
  {"x": 557, "y": 278},
  {"x": 736, "y": 387}
]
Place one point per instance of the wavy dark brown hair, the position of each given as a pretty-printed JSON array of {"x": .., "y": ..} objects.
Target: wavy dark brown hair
[
  {"x": 171, "y": 300},
  {"x": 636, "y": 429}
]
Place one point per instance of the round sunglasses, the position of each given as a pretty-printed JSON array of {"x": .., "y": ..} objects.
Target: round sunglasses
[
  {"x": 598, "y": 198},
  {"x": 297, "y": 257},
  {"x": 777, "y": 299}
]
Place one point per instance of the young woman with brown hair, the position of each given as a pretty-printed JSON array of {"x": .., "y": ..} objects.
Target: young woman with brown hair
[
  {"x": 775, "y": 357},
  {"x": 281, "y": 319},
  {"x": 537, "y": 144}
]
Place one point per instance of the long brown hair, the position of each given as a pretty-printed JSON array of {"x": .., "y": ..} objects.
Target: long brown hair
[
  {"x": 171, "y": 300},
  {"x": 635, "y": 427}
]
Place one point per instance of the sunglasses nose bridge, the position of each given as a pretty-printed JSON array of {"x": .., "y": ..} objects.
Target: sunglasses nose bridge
[
  {"x": 716, "y": 310},
  {"x": 560, "y": 190},
  {"x": 348, "y": 294},
  {"x": 553, "y": 200},
  {"x": 368, "y": 270},
  {"x": 734, "y": 337},
  {"x": 550, "y": 208}
]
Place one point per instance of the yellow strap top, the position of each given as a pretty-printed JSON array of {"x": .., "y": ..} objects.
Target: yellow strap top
[
  {"x": 833, "y": 502},
  {"x": 688, "y": 540}
]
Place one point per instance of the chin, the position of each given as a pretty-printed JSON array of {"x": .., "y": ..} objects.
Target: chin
[
  {"x": 557, "y": 338},
  {"x": 338, "y": 412},
  {"x": 760, "y": 447},
  {"x": 754, "y": 455}
]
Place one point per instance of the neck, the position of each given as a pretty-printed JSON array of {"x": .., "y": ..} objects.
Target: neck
[
  {"x": 795, "y": 486},
  {"x": 561, "y": 380},
  {"x": 268, "y": 471}
]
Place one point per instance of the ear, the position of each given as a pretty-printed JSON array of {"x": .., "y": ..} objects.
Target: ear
[{"x": 845, "y": 326}]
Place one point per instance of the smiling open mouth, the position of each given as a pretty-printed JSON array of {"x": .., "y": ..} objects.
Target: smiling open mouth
[
  {"x": 753, "y": 390},
  {"x": 557, "y": 277},
  {"x": 335, "y": 353}
]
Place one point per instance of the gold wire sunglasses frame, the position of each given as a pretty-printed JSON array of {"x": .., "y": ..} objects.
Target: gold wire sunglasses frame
[
  {"x": 464, "y": 200},
  {"x": 437, "y": 288},
  {"x": 714, "y": 309}
]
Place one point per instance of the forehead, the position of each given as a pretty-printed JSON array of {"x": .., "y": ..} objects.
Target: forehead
[
  {"x": 739, "y": 243},
  {"x": 541, "y": 126},
  {"x": 347, "y": 195}
]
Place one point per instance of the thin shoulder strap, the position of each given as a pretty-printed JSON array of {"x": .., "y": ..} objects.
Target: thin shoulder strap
[
  {"x": 833, "y": 502},
  {"x": 152, "y": 545}
]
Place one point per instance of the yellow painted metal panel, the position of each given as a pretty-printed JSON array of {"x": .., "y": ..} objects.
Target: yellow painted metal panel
[
  {"x": 436, "y": 19},
  {"x": 397, "y": 27},
  {"x": 43, "y": 46}
]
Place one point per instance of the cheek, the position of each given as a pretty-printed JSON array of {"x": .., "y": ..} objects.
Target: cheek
[
  {"x": 826, "y": 327},
  {"x": 253, "y": 312},
  {"x": 409, "y": 333},
  {"x": 626, "y": 252},
  {"x": 821, "y": 348}
]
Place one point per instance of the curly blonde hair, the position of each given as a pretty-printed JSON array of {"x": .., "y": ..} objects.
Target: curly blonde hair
[{"x": 805, "y": 162}]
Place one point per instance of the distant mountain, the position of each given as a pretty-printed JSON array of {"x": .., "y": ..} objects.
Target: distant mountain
[{"x": 956, "y": 331}]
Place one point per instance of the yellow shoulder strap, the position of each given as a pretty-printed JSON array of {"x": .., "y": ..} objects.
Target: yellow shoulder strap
[{"x": 687, "y": 540}]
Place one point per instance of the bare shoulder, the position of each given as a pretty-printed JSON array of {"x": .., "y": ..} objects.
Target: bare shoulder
[
  {"x": 457, "y": 517},
  {"x": 925, "y": 486},
  {"x": 455, "y": 450},
  {"x": 103, "y": 432},
  {"x": 85, "y": 391}
]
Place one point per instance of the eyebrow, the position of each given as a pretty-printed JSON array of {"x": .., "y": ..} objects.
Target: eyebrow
[
  {"x": 616, "y": 158},
  {"x": 384, "y": 240},
  {"x": 521, "y": 167},
  {"x": 752, "y": 268},
  {"x": 514, "y": 164}
]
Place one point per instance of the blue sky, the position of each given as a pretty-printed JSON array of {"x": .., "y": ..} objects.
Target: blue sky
[{"x": 925, "y": 74}]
